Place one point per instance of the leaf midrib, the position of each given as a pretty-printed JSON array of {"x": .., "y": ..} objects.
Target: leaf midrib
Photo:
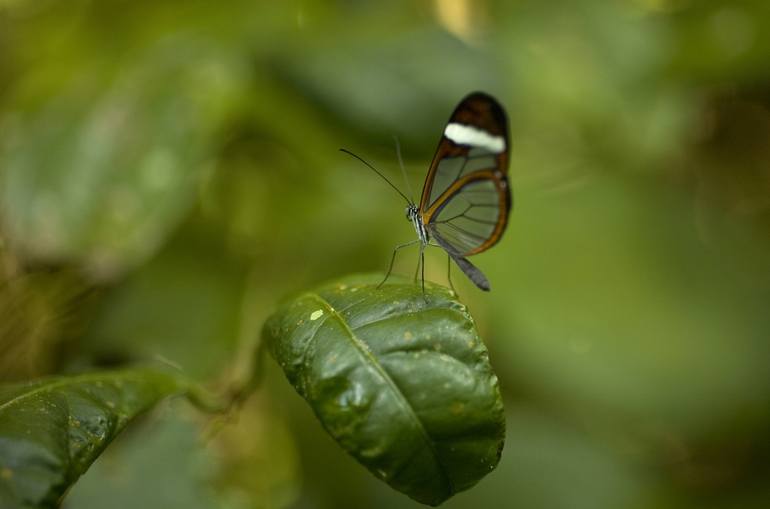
[{"x": 362, "y": 349}]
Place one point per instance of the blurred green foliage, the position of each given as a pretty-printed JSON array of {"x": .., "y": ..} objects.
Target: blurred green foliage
[{"x": 169, "y": 170}]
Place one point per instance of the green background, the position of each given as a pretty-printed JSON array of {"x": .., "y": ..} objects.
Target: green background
[{"x": 170, "y": 170}]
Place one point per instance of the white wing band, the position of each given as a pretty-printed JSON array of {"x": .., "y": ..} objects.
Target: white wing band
[{"x": 468, "y": 135}]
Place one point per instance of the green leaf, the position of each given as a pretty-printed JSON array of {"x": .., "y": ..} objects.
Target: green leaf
[
  {"x": 51, "y": 430},
  {"x": 402, "y": 381}
]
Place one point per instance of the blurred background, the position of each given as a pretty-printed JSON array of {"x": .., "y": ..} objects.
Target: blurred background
[{"x": 170, "y": 170}]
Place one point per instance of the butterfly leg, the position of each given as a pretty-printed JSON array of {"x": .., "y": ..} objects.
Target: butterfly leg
[
  {"x": 393, "y": 259},
  {"x": 421, "y": 270},
  {"x": 448, "y": 268},
  {"x": 422, "y": 265}
]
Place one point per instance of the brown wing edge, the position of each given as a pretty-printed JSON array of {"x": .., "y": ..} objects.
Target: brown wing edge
[
  {"x": 506, "y": 200},
  {"x": 479, "y": 109}
]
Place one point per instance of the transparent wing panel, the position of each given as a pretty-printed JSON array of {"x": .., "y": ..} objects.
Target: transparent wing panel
[
  {"x": 470, "y": 216},
  {"x": 452, "y": 168}
]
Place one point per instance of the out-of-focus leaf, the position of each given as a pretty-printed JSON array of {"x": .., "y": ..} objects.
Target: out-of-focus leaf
[
  {"x": 51, "y": 430},
  {"x": 123, "y": 155},
  {"x": 401, "y": 85},
  {"x": 402, "y": 381}
]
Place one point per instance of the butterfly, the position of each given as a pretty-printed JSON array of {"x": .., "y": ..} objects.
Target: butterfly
[{"x": 466, "y": 198}]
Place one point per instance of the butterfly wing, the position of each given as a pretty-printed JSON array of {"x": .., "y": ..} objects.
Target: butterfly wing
[
  {"x": 466, "y": 198},
  {"x": 470, "y": 270}
]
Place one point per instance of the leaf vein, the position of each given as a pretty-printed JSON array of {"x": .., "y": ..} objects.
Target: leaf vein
[{"x": 364, "y": 351}]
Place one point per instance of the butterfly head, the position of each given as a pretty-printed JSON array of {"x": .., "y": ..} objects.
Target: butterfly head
[
  {"x": 411, "y": 211},
  {"x": 413, "y": 215}
]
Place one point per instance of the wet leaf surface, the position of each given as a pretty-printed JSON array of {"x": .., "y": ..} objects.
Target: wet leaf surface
[{"x": 402, "y": 381}]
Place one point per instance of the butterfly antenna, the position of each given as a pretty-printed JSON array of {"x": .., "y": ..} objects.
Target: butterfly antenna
[
  {"x": 377, "y": 172},
  {"x": 403, "y": 170}
]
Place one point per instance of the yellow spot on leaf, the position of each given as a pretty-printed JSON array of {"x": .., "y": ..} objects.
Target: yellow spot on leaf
[
  {"x": 6, "y": 473},
  {"x": 315, "y": 315},
  {"x": 457, "y": 408},
  {"x": 408, "y": 336}
]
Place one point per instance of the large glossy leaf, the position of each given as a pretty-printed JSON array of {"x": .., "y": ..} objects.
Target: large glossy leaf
[
  {"x": 53, "y": 429},
  {"x": 402, "y": 381}
]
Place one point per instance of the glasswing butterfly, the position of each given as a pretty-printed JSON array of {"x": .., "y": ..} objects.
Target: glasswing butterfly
[{"x": 466, "y": 198}]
